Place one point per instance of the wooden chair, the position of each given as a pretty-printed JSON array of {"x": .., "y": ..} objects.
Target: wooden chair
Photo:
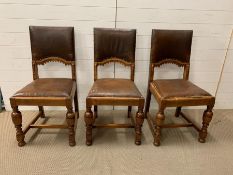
[
  {"x": 114, "y": 45},
  {"x": 48, "y": 44},
  {"x": 174, "y": 47}
]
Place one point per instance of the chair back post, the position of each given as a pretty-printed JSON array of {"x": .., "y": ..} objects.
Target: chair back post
[
  {"x": 95, "y": 71},
  {"x": 35, "y": 70},
  {"x": 114, "y": 46},
  {"x": 73, "y": 70},
  {"x": 132, "y": 71},
  {"x": 186, "y": 72},
  {"x": 151, "y": 72},
  {"x": 52, "y": 44}
]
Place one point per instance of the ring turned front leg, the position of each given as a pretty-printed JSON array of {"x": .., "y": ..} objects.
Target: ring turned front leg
[
  {"x": 138, "y": 125},
  {"x": 160, "y": 117},
  {"x": 70, "y": 119},
  {"x": 207, "y": 117},
  {"x": 88, "y": 117},
  {"x": 17, "y": 120}
]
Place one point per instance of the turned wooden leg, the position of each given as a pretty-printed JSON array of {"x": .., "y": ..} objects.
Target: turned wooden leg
[
  {"x": 129, "y": 111},
  {"x": 70, "y": 119},
  {"x": 160, "y": 117},
  {"x": 89, "y": 120},
  {"x": 95, "y": 111},
  {"x": 207, "y": 117},
  {"x": 17, "y": 120},
  {"x": 41, "y": 110},
  {"x": 76, "y": 103},
  {"x": 138, "y": 126},
  {"x": 178, "y": 111}
]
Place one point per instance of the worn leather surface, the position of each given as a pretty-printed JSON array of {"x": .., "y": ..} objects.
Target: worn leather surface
[
  {"x": 171, "y": 44},
  {"x": 52, "y": 42},
  {"x": 119, "y": 43},
  {"x": 113, "y": 87},
  {"x": 170, "y": 88},
  {"x": 47, "y": 87}
]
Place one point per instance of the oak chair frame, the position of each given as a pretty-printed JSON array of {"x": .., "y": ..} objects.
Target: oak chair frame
[
  {"x": 156, "y": 124},
  {"x": 71, "y": 117},
  {"x": 115, "y": 101}
]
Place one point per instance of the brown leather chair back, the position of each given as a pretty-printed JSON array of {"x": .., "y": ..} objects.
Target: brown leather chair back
[
  {"x": 52, "y": 44},
  {"x": 114, "y": 45},
  {"x": 48, "y": 42},
  {"x": 171, "y": 46}
]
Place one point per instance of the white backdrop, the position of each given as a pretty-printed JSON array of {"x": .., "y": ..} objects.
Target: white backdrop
[{"x": 211, "y": 21}]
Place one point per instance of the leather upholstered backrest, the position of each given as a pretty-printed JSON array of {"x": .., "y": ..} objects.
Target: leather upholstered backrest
[
  {"x": 52, "y": 42},
  {"x": 171, "y": 46},
  {"x": 114, "y": 43}
]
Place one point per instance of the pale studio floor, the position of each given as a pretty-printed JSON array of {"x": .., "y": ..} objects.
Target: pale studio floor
[{"x": 113, "y": 150}]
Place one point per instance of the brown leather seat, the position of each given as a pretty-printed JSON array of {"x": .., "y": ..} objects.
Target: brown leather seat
[
  {"x": 176, "y": 88},
  {"x": 174, "y": 47},
  {"x": 47, "y": 87},
  {"x": 112, "y": 87}
]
